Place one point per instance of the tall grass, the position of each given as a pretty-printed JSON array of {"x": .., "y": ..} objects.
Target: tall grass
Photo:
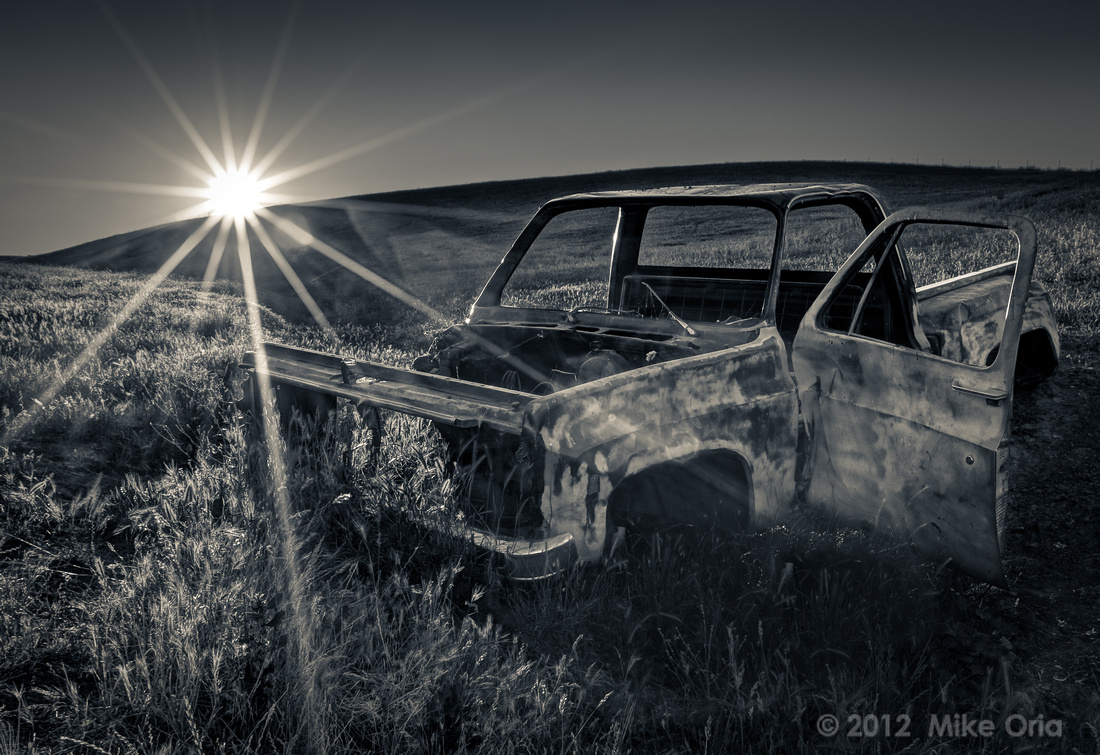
[{"x": 186, "y": 641}]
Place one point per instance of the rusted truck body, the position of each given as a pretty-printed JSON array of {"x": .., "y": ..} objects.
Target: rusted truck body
[{"x": 715, "y": 355}]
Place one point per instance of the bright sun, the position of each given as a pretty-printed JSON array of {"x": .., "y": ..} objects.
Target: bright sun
[{"x": 236, "y": 194}]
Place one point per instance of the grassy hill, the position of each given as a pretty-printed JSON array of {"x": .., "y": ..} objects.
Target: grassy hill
[{"x": 154, "y": 596}]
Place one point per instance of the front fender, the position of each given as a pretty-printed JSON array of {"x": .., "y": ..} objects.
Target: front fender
[{"x": 741, "y": 400}]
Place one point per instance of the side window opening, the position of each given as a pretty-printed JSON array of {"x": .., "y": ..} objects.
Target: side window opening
[
  {"x": 871, "y": 304},
  {"x": 568, "y": 264},
  {"x": 964, "y": 324},
  {"x": 881, "y": 311},
  {"x": 938, "y": 251}
]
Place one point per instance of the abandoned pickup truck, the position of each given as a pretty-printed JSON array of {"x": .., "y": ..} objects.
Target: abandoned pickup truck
[{"x": 713, "y": 355}]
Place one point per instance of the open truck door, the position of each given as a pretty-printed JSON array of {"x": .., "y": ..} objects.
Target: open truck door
[{"x": 902, "y": 436}]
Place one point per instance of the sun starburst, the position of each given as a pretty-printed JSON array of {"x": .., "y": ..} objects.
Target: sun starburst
[
  {"x": 238, "y": 190},
  {"x": 234, "y": 193}
]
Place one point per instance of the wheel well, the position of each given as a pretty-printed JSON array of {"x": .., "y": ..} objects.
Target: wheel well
[
  {"x": 1036, "y": 359},
  {"x": 711, "y": 488}
]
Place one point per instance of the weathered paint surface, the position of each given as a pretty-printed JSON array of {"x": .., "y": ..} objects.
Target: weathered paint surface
[
  {"x": 575, "y": 503},
  {"x": 741, "y": 400},
  {"x": 919, "y": 462}
]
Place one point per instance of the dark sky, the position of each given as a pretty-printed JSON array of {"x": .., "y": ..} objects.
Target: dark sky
[{"x": 402, "y": 95}]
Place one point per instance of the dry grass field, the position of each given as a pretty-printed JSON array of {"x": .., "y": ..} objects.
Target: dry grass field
[{"x": 153, "y": 599}]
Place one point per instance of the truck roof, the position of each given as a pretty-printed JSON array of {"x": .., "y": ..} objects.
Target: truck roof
[{"x": 780, "y": 193}]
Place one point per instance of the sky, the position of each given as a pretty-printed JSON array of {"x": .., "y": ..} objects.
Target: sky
[{"x": 107, "y": 107}]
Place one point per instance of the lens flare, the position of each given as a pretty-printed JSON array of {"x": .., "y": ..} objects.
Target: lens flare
[{"x": 234, "y": 194}]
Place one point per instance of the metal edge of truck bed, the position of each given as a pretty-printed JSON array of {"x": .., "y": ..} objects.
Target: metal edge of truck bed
[
  {"x": 436, "y": 397},
  {"x": 951, "y": 284}
]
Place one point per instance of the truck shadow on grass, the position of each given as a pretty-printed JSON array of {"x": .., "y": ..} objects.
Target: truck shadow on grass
[{"x": 749, "y": 639}]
